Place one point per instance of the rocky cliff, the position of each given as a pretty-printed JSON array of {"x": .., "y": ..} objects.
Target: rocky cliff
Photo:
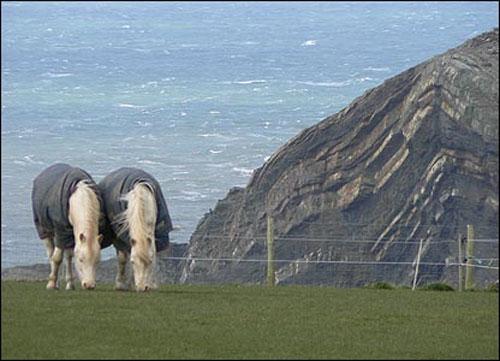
[{"x": 415, "y": 158}]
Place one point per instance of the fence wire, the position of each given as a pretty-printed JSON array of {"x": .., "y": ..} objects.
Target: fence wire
[{"x": 432, "y": 268}]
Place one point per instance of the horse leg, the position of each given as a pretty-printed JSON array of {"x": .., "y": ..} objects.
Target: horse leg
[
  {"x": 68, "y": 253},
  {"x": 153, "y": 284},
  {"x": 121, "y": 277},
  {"x": 55, "y": 262},
  {"x": 49, "y": 246}
]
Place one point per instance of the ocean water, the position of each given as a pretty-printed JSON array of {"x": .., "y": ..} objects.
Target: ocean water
[{"x": 198, "y": 94}]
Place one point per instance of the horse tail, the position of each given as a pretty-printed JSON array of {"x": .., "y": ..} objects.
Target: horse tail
[{"x": 140, "y": 216}]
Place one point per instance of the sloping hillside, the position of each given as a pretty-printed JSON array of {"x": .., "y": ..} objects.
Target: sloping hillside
[{"x": 414, "y": 158}]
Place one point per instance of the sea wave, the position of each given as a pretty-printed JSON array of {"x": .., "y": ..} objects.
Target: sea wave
[
  {"x": 146, "y": 161},
  {"x": 126, "y": 105},
  {"x": 311, "y": 42},
  {"x": 243, "y": 171},
  {"x": 57, "y": 75},
  {"x": 245, "y": 82},
  {"x": 217, "y": 135},
  {"x": 382, "y": 69},
  {"x": 190, "y": 196},
  {"x": 336, "y": 84},
  {"x": 29, "y": 159}
]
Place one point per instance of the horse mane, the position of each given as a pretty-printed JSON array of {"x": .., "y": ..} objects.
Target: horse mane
[
  {"x": 139, "y": 218},
  {"x": 88, "y": 202}
]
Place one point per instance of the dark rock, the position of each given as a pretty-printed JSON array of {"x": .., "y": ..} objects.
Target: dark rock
[{"x": 414, "y": 158}]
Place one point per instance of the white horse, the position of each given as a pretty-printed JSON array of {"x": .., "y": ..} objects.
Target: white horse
[
  {"x": 67, "y": 211},
  {"x": 84, "y": 213},
  {"x": 138, "y": 224},
  {"x": 138, "y": 219}
]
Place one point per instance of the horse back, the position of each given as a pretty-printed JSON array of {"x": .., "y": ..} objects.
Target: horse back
[
  {"x": 50, "y": 195},
  {"x": 115, "y": 186}
]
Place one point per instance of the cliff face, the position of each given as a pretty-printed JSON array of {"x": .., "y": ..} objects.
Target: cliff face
[{"x": 414, "y": 158}]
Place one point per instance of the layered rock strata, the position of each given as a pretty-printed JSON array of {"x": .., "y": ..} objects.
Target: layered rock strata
[{"x": 415, "y": 158}]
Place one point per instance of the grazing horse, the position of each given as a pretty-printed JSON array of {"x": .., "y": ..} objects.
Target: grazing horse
[
  {"x": 138, "y": 224},
  {"x": 67, "y": 207}
]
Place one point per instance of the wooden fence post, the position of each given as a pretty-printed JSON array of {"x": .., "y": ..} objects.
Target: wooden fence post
[
  {"x": 460, "y": 260},
  {"x": 270, "y": 252},
  {"x": 416, "y": 267},
  {"x": 469, "y": 281}
]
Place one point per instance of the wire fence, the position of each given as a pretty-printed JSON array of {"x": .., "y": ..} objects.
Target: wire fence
[{"x": 324, "y": 258}]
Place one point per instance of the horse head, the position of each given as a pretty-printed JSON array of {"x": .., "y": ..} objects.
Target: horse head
[
  {"x": 143, "y": 258},
  {"x": 87, "y": 257},
  {"x": 84, "y": 215}
]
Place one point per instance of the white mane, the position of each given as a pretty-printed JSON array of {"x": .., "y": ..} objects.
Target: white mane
[
  {"x": 139, "y": 219},
  {"x": 84, "y": 210}
]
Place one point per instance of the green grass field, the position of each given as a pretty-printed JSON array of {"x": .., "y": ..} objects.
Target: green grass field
[{"x": 247, "y": 322}]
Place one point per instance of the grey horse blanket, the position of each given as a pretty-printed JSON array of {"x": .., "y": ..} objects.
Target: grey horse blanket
[
  {"x": 113, "y": 187},
  {"x": 52, "y": 189}
]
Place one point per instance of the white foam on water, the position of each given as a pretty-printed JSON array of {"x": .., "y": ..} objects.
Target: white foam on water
[
  {"x": 255, "y": 81},
  {"x": 278, "y": 101},
  {"x": 152, "y": 162},
  {"x": 215, "y": 151},
  {"x": 126, "y": 105},
  {"x": 243, "y": 171},
  {"x": 57, "y": 75},
  {"x": 29, "y": 159},
  {"x": 302, "y": 90},
  {"x": 219, "y": 165},
  {"x": 190, "y": 196},
  {"x": 217, "y": 135},
  {"x": 335, "y": 84},
  {"x": 366, "y": 78},
  {"x": 381, "y": 69},
  {"x": 311, "y": 42}
]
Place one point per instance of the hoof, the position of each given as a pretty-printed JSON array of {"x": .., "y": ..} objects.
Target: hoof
[
  {"x": 70, "y": 286},
  {"x": 121, "y": 287},
  {"x": 52, "y": 285},
  {"x": 147, "y": 288}
]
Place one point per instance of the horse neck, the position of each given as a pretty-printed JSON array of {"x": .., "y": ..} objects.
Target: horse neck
[
  {"x": 84, "y": 211},
  {"x": 141, "y": 216}
]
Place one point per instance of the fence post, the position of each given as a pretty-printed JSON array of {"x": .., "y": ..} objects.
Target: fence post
[
  {"x": 460, "y": 260},
  {"x": 469, "y": 281},
  {"x": 416, "y": 267},
  {"x": 270, "y": 252}
]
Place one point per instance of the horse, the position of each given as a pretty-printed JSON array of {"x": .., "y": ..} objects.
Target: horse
[
  {"x": 68, "y": 215},
  {"x": 138, "y": 224}
]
